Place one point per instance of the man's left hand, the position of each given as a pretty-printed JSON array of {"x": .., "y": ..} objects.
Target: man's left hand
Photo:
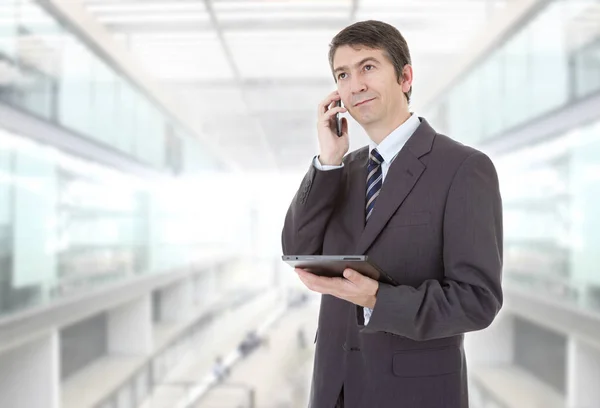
[{"x": 353, "y": 287}]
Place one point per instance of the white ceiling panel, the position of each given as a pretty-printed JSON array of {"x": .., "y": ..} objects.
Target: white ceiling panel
[
  {"x": 123, "y": 7},
  {"x": 302, "y": 97},
  {"x": 180, "y": 56},
  {"x": 255, "y": 70},
  {"x": 311, "y": 15},
  {"x": 153, "y": 17},
  {"x": 281, "y": 54},
  {"x": 270, "y": 5},
  {"x": 208, "y": 101}
]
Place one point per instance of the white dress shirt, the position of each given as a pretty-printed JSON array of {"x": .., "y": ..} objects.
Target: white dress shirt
[{"x": 388, "y": 149}]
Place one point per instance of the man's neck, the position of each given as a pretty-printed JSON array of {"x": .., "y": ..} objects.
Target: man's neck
[{"x": 379, "y": 131}]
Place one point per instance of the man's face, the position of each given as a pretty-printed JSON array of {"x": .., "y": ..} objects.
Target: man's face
[{"x": 368, "y": 85}]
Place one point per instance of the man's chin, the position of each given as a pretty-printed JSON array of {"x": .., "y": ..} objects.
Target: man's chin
[{"x": 366, "y": 120}]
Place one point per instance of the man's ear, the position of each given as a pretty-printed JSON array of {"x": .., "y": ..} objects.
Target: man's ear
[{"x": 406, "y": 79}]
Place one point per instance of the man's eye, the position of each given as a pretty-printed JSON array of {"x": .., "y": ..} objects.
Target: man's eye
[
  {"x": 342, "y": 75},
  {"x": 368, "y": 67}
]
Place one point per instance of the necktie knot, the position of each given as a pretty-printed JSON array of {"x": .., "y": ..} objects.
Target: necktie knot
[{"x": 375, "y": 159}]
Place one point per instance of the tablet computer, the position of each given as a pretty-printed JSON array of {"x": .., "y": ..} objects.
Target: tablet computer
[{"x": 334, "y": 265}]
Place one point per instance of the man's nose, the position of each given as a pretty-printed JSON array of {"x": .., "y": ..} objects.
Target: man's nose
[{"x": 357, "y": 85}]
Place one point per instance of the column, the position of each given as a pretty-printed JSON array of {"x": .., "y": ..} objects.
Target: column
[
  {"x": 583, "y": 374},
  {"x": 29, "y": 374},
  {"x": 130, "y": 328},
  {"x": 176, "y": 301}
]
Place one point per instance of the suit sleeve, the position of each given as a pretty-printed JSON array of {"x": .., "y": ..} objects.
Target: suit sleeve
[
  {"x": 309, "y": 213},
  {"x": 470, "y": 295}
]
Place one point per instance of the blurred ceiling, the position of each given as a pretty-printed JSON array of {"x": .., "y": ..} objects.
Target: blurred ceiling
[{"x": 255, "y": 70}]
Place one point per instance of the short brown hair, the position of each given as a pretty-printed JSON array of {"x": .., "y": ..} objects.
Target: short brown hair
[{"x": 375, "y": 35}]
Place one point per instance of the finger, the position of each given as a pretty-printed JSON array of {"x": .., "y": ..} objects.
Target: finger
[
  {"x": 307, "y": 277},
  {"x": 344, "y": 126},
  {"x": 353, "y": 276},
  {"x": 312, "y": 284},
  {"x": 326, "y": 103},
  {"x": 360, "y": 282},
  {"x": 327, "y": 116},
  {"x": 322, "y": 284}
]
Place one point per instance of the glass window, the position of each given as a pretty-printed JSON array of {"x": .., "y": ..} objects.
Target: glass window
[
  {"x": 65, "y": 224},
  {"x": 456, "y": 116},
  {"x": 547, "y": 63},
  {"x": 551, "y": 219},
  {"x": 34, "y": 216},
  {"x": 125, "y": 117},
  {"x": 75, "y": 94},
  {"x": 146, "y": 135},
  {"x": 587, "y": 68},
  {"x": 464, "y": 109},
  {"x": 584, "y": 188},
  {"x": 549, "y": 86},
  {"x": 38, "y": 57},
  {"x": 48, "y": 71},
  {"x": 472, "y": 119},
  {"x": 516, "y": 98},
  {"x": 103, "y": 103},
  {"x": 8, "y": 28},
  {"x": 491, "y": 95}
]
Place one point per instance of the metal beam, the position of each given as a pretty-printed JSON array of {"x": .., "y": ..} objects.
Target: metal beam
[
  {"x": 353, "y": 10},
  {"x": 23, "y": 124},
  {"x": 255, "y": 83},
  {"x": 269, "y": 154},
  {"x": 559, "y": 121},
  {"x": 236, "y": 26},
  {"x": 219, "y": 30}
]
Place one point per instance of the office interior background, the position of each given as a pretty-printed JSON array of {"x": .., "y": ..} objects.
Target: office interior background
[{"x": 149, "y": 150}]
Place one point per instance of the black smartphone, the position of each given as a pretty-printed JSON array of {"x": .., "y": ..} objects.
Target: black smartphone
[{"x": 338, "y": 119}]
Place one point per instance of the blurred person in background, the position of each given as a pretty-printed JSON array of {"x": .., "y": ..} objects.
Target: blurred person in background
[
  {"x": 220, "y": 371},
  {"x": 425, "y": 208}
]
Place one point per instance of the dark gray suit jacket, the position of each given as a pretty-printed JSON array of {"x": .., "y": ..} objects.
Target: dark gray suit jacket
[{"x": 437, "y": 230}]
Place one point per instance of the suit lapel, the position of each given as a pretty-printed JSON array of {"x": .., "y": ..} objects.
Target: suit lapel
[{"x": 403, "y": 174}]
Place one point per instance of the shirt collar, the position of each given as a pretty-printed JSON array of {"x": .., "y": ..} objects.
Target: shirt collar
[{"x": 395, "y": 141}]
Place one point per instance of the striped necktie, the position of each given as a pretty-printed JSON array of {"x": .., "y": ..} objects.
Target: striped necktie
[{"x": 374, "y": 181}]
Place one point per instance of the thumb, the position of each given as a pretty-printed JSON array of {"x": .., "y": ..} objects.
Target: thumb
[{"x": 351, "y": 275}]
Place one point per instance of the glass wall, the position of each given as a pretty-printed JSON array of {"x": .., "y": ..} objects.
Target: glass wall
[
  {"x": 553, "y": 60},
  {"x": 47, "y": 71},
  {"x": 551, "y": 188},
  {"x": 551, "y": 192},
  {"x": 68, "y": 225}
]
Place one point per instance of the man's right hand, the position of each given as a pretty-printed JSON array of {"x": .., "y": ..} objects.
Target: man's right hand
[{"x": 332, "y": 147}]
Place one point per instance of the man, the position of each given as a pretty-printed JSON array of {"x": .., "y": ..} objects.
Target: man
[{"x": 426, "y": 209}]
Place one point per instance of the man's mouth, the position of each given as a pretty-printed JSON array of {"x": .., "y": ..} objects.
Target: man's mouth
[{"x": 363, "y": 102}]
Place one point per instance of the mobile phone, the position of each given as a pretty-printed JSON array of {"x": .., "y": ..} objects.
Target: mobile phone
[{"x": 338, "y": 119}]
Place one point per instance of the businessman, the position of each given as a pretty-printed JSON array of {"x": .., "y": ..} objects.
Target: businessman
[{"x": 425, "y": 208}]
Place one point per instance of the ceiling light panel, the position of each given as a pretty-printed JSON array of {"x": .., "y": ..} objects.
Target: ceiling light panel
[
  {"x": 271, "y": 5},
  {"x": 428, "y": 10},
  {"x": 179, "y": 56},
  {"x": 145, "y": 7},
  {"x": 283, "y": 15},
  {"x": 281, "y": 53},
  {"x": 162, "y": 17}
]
